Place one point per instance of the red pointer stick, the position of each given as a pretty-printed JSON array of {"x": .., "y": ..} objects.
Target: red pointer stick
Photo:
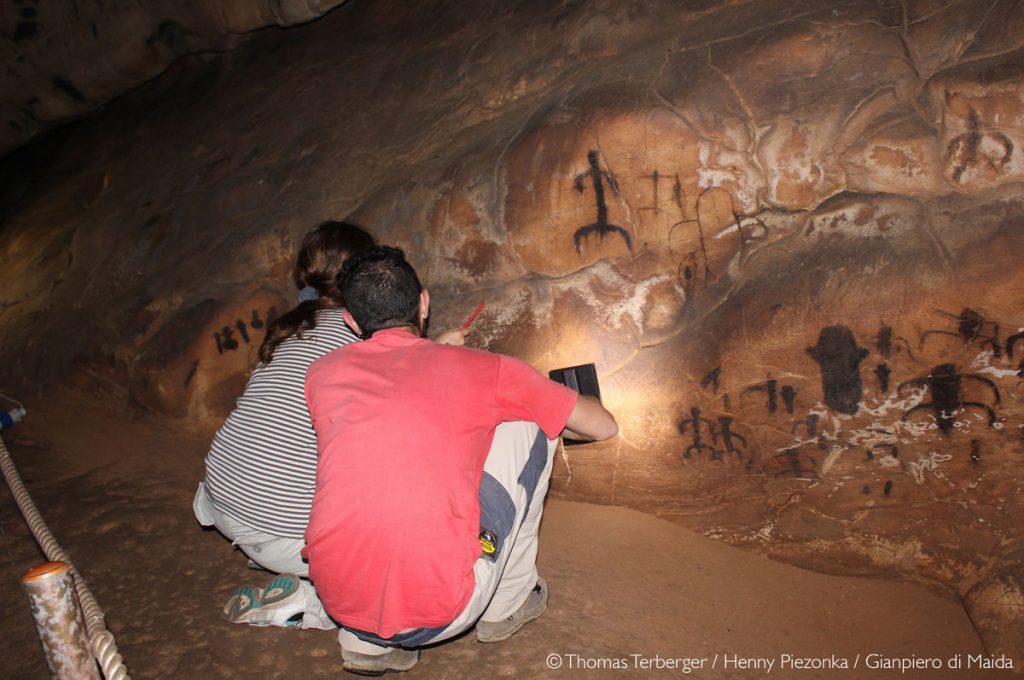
[{"x": 478, "y": 310}]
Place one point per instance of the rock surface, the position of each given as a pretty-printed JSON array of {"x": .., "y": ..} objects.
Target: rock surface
[
  {"x": 789, "y": 235},
  {"x": 66, "y": 59}
]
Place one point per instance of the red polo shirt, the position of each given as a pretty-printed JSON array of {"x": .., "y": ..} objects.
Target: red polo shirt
[{"x": 403, "y": 428}]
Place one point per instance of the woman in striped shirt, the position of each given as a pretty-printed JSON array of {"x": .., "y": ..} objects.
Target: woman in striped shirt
[{"x": 261, "y": 468}]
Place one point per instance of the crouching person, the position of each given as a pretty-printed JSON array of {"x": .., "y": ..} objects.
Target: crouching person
[{"x": 434, "y": 463}]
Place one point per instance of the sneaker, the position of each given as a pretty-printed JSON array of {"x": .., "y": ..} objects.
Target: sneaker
[
  {"x": 496, "y": 631},
  {"x": 395, "y": 659},
  {"x": 281, "y": 602}
]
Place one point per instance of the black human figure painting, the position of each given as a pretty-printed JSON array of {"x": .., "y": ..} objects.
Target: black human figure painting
[
  {"x": 945, "y": 385},
  {"x": 839, "y": 357},
  {"x": 255, "y": 321},
  {"x": 696, "y": 424},
  {"x": 971, "y": 326},
  {"x": 601, "y": 226},
  {"x": 728, "y": 437}
]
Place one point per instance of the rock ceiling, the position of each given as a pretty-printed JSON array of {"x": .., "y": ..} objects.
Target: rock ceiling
[{"x": 66, "y": 58}]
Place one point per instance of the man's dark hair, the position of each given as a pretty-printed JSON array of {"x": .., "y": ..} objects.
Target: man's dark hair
[{"x": 381, "y": 289}]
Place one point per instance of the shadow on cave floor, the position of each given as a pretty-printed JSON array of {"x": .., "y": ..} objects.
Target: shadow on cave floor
[{"x": 117, "y": 491}]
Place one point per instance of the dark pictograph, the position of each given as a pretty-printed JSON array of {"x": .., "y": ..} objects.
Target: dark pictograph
[
  {"x": 977, "y": 146},
  {"x": 945, "y": 385},
  {"x": 883, "y": 373},
  {"x": 724, "y": 440},
  {"x": 971, "y": 326},
  {"x": 771, "y": 389},
  {"x": 696, "y": 425},
  {"x": 226, "y": 339},
  {"x": 601, "y": 227},
  {"x": 711, "y": 379},
  {"x": 839, "y": 357}
]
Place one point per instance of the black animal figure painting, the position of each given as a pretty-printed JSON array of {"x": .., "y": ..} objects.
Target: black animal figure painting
[
  {"x": 839, "y": 357},
  {"x": 945, "y": 385},
  {"x": 601, "y": 227}
]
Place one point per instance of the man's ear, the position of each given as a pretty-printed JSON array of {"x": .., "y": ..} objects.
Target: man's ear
[
  {"x": 351, "y": 322},
  {"x": 424, "y": 305}
]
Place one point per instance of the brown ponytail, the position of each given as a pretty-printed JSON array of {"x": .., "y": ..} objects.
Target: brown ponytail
[{"x": 321, "y": 255}]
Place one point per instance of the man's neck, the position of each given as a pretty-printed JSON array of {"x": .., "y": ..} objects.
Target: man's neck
[{"x": 408, "y": 328}]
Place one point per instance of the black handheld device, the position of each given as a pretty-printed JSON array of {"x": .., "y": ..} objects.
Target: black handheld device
[{"x": 581, "y": 378}]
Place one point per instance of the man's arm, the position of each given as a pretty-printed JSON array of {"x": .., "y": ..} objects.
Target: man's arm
[{"x": 590, "y": 421}]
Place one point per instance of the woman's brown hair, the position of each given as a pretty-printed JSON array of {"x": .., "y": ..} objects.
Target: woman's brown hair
[{"x": 323, "y": 252}]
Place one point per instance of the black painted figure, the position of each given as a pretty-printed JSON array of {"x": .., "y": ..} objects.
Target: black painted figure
[
  {"x": 771, "y": 389},
  {"x": 1011, "y": 341},
  {"x": 228, "y": 338},
  {"x": 696, "y": 423},
  {"x": 728, "y": 438},
  {"x": 839, "y": 357},
  {"x": 240, "y": 325},
  {"x": 601, "y": 227},
  {"x": 255, "y": 321},
  {"x": 971, "y": 326},
  {"x": 712, "y": 379},
  {"x": 883, "y": 373},
  {"x": 945, "y": 385}
]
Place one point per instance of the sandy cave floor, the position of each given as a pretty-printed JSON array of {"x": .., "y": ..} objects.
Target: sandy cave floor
[{"x": 116, "y": 489}]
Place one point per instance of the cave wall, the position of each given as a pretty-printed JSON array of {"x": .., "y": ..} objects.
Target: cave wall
[{"x": 789, "y": 234}]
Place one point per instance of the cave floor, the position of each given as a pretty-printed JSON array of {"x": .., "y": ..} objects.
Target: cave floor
[{"x": 627, "y": 589}]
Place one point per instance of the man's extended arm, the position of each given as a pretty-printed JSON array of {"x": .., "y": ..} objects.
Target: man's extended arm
[{"x": 590, "y": 421}]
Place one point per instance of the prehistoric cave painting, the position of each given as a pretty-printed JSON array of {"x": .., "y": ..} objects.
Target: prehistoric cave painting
[
  {"x": 255, "y": 321},
  {"x": 883, "y": 373},
  {"x": 225, "y": 337},
  {"x": 677, "y": 192},
  {"x": 771, "y": 390},
  {"x": 240, "y": 325},
  {"x": 839, "y": 357},
  {"x": 945, "y": 386},
  {"x": 800, "y": 462},
  {"x": 711, "y": 379},
  {"x": 601, "y": 226},
  {"x": 977, "y": 146},
  {"x": 226, "y": 340},
  {"x": 192, "y": 372},
  {"x": 717, "y": 219},
  {"x": 971, "y": 327},
  {"x": 725, "y": 434},
  {"x": 696, "y": 425},
  {"x": 1012, "y": 341},
  {"x": 888, "y": 344},
  {"x": 725, "y": 441}
]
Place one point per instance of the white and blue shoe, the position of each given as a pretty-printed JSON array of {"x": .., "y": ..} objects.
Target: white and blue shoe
[{"x": 279, "y": 603}]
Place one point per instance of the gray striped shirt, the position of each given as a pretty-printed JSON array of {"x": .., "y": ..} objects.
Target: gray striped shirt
[{"x": 261, "y": 469}]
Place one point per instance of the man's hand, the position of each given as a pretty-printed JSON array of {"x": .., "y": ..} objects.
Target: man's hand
[
  {"x": 590, "y": 421},
  {"x": 455, "y": 336}
]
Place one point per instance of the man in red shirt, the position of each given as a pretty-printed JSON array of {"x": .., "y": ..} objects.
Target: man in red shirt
[{"x": 434, "y": 462}]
